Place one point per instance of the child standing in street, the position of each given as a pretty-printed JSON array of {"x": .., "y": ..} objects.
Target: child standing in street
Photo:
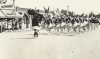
[{"x": 35, "y": 33}]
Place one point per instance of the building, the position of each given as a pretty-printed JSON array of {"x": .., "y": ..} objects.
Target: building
[{"x": 12, "y": 17}]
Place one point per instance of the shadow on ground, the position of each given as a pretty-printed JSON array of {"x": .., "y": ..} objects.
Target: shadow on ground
[{"x": 24, "y": 38}]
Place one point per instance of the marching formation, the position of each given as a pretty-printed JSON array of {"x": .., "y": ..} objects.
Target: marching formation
[{"x": 63, "y": 23}]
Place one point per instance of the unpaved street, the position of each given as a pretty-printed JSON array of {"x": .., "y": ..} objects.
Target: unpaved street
[{"x": 21, "y": 45}]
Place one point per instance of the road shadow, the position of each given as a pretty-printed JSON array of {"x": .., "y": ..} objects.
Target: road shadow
[
  {"x": 71, "y": 34},
  {"x": 25, "y": 38},
  {"x": 66, "y": 34},
  {"x": 39, "y": 34}
]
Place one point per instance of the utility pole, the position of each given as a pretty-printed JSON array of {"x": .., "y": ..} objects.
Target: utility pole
[
  {"x": 30, "y": 22},
  {"x": 68, "y": 9}
]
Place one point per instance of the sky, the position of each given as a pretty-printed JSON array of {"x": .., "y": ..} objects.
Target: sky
[{"x": 78, "y": 6}]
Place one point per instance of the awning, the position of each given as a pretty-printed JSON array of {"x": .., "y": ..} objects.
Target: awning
[{"x": 17, "y": 15}]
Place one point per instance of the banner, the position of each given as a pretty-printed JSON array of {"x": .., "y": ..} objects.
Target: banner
[
  {"x": 7, "y": 7},
  {"x": 3, "y": 1},
  {"x": 6, "y": 4}
]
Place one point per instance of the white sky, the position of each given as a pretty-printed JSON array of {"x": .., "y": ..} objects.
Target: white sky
[{"x": 78, "y": 6}]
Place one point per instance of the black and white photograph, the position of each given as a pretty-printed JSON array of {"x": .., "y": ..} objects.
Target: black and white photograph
[{"x": 49, "y": 29}]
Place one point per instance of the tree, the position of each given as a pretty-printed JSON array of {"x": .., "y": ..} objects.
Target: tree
[
  {"x": 46, "y": 10},
  {"x": 91, "y": 14},
  {"x": 64, "y": 12},
  {"x": 71, "y": 13},
  {"x": 53, "y": 13},
  {"x": 98, "y": 15},
  {"x": 31, "y": 12}
]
